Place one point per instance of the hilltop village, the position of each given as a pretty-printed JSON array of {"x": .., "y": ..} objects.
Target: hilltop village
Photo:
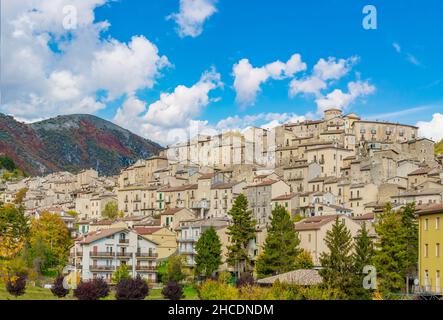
[{"x": 341, "y": 165}]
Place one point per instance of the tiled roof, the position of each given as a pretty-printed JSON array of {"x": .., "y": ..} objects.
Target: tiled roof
[
  {"x": 146, "y": 230},
  {"x": 285, "y": 197},
  {"x": 315, "y": 223},
  {"x": 420, "y": 171},
  {"x": 94, "y": 236},
  {"x": 435, "y": 208},
  {"x": 171, "y": 211},
  {"x": 303, "y": 277}
]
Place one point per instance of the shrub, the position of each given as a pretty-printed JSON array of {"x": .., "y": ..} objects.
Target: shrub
[
  {"x": 92, "y": 290},
  {"x": 121, "y": 273},
  {"x": 132, "y": 289},
  {"x": 248, "y": 292},
  {"x": 214, "y": 290},
  {"x": 58, "y": 289},
  {"x": 173, "y": 291},
  {"x": 245, "y": 279},
  {"x": 16, "y": 285},
  {"x": 225, "y": 277}
]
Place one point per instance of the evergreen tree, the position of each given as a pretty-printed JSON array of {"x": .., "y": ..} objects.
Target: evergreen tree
[
  {"x": 281, "y": 246},
  {"x": 241, "y": 231},
  {"x": 391, "y": 255},
  {"x": 410, "y": 229},
  {"x": 363, "y": 256},
  {"x": 338, "y": 263},
  {"x": 208, "y": 257}
]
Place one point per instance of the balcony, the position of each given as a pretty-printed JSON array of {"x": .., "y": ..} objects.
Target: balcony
[
  {"x": 102, "y": 268},
  {"x": 124, "y": 255},
  {"x": 187, "y": 239},
  {"x": 146, "y": 255},
  {"x": 203, "y": 204},
  {"x": 123, "y": 241},
  {"x": 146, "y": 268},
  {"x": 95, "y": 254},
  {"x": 78, "y": 254}
]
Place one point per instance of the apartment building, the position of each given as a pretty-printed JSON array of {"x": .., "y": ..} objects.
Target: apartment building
[
  {"x": 171, "y": 218},
  {"x": 190, "y": 231},
  {"x": 137, "y": 200},
  {"x": 260, "y": 197},
  {"x": 98, "y": 254},
  {"x": 223, "y": 196},
  {"x": 430, "y": 252},
  {"x": 312, "y": 233}
]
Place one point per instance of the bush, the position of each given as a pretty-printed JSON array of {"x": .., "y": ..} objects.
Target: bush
[
  {"x": 245, "y": 279},
  {"x": 255, "y": 293},
  {"x": 132, "y": 289},
  {"x": 58, "y": 289},
  {"x": 16, "y": 285},
  {"x": 225, "y": 277},
  {"x": 92, "y": 290},
  {"x": 173, "y": 291},
  {"x": 214, "y": 290},
  {"x": 121, "y": 273}
]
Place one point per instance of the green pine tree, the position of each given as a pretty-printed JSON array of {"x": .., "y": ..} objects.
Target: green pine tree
[
  {"x": 391, "y": 252},
  {"x": 281, "y": 246},
  {"x": 208, "y": 258},
  {"x": 363, "y": 256},
  {"x": 241, "y": 232},
  {"x": 337, "y": 264},
  {"x": 410, "y": 227}
]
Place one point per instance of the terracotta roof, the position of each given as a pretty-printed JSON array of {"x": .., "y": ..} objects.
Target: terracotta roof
[
  {"x": 224, "y": 185},
  {"x": 302, "y": 277},
  {"x": 171, "y": 211},
  {"x": 263, "y": 184},
  {"x": 315, "y": 223},
  {"x": 103, "y": 223},
  {"x": 435, "y": 208},
  {"x": 206, "y": 176},
  {"x": 94, "y": 236},
  {"x": 285, "y": 197},
  {"x": 420, "y": 171},
  {"x": 180, "y": 188},
  {"x": 318, "y": 179},
  {"x": 421, "y": 192},
  {"x": 367, "y": 216},
  {"x": 146, "y": 230}
]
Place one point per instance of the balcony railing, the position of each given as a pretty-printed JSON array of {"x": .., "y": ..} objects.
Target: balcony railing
[
  {"x": 102, "y": 268},
  {"x": 101, "y": 254},
  {"x": 145, "y": 268},
  {"x": 78, "y": 254},
  {"x": 147, "y": 255},
  {"x": 187, "y": 239},
  {"x": 123, "y": 241}
]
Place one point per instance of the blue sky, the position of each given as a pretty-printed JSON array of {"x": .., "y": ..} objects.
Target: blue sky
[
  {"x": 276, "y": 29},
  {"x": 397, "y": 68}
]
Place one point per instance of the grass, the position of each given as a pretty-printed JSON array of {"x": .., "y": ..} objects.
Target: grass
[{"x": 37, "y": 293}]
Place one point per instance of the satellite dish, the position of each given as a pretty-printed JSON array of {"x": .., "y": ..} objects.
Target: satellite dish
[{"x": 416, "y": 281}]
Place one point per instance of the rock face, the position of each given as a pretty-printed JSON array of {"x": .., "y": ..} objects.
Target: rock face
[{"x": 72, "y": 143}]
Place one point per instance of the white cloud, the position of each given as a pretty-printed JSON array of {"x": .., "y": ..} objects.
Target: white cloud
[
  {"x": 408, "y": 56},
  {"x": 48, "y": 70},
  {"x": 432, "y": 129},
  {"x": 341, "y": 100},
  {"x": 397, "y": 47},
  {"x": 264, "y": 120},
  {"x": 248, "y": 79},
  {"x": 169, "y": 118},
  {"x": 323, "y": 71},
  {"x": 192, "y": 16},
  {"x": 332, "y": 69}
]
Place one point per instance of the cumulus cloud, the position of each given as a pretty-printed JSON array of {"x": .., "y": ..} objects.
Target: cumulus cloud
[
  {"x": 168, "y": 119},
  {"x": 341, "y": 100},
  {"x": 192, "y": 16},
  {"x": 248, "y": 79},
  {"x": 49, "y": 70},
  {"x": 432, "y": 129},
  {"x": 324, "y": 70}
]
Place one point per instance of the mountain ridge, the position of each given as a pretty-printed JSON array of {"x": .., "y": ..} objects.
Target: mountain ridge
[{"x": 72, "y": 143}]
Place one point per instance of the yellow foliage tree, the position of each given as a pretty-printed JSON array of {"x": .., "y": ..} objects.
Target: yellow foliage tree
[{"x": 14, "y": 230}]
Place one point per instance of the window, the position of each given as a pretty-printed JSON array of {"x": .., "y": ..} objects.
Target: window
[
  {"x": 437, "y": 249},
  {"x": 426, "y": 224},
  {"x": 437, "y": 223},
  {"x": 426, "y": 254}
]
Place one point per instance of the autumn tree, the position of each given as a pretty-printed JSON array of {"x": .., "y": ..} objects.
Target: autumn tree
[
  {"x": 110, "y": 211},
  {"x": 51, "y": 232},
  {"x": 208, "y": 258},
  {"x": 14, "y": 230},
  {"x": 241, "y": 232},
  {"x": 281, "y": 245}
]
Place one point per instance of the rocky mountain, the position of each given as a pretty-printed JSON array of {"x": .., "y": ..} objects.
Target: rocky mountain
[{"x": 72, "y": 143}]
